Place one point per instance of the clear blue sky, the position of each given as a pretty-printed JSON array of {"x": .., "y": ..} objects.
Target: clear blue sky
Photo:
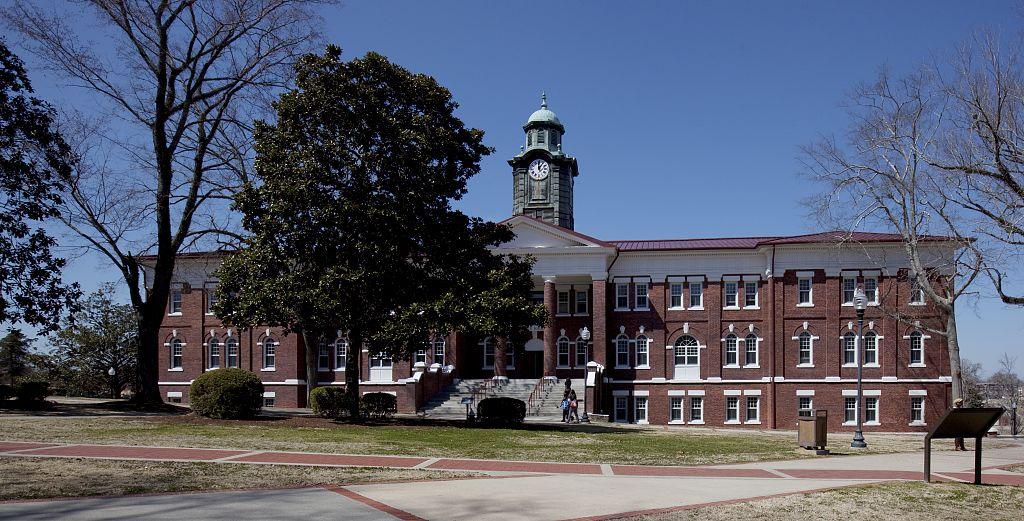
[{"x": 685, "y": 116}]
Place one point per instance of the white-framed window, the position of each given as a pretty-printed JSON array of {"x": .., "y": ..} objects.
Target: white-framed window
[
  {"x": 730, "y": 295},
  {"x": 697, "y": 409},
  {"x": 510, "y": 356},
  {"x": 750, "y": 354},
  {"x": 340, "y": 354},
  {"x": 269, "y": 401},
  {"x": 870, "y": 409},
  {"x": 582, "y": 353},
  {"x": 805, "y": 406},
  {"x": 380, "y": 360},
  {"x": 622, "y": 408},
  {"x": 621, "y": 351},
  {"x": 753, "y": 409},
  {"x": 231, "y": 349},
  {"x": 214, "y": 351},
  {"x": 806, "y": 354},
  {"x": 177, "y": 349},
  {"x": 675, "y": 294},
  {"x": 488, "y": 345},
  {"x": 438, "y": 353},
  {"x": 871, "y": 289},
  {"x": 732, "y": 356},
  {"x": 849, "y": 410},
  {"x": 687, "y": 351},
  {"x": 174, "y": 308},
  {"x": 696, "y": 294},
  {"x": 323, "y": 361},
  {"x": 675, "y": 409},
  {"x": 640, "y": 409},
  {"x": 849, "y": 349},
  {"x": 849, "y": 289},
  {"x": 732, "y": 409},
  {"x": 269, "y": 353},
  {"x": 917, "y": 409},
  {"x": 420, "y": 356},
  {"x": 916, "y": 348},
  {"x": 804, "y": 293},
  {"x": 916, "y": 293},
  {"x": 750, "y": 294},
  {"x": 582, "y": 305},
  {"x": 211, "y": 300},
  {"x": 642, "y": 355},
  {"x": 870, "y": 348},
  {"x": 563, "y": 352},
  {"x": 640, "y": 291},
  {"x": 563, "y": 302},
  {"x": 622, "y": 296}
]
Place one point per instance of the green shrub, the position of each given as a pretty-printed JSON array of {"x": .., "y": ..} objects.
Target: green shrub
[
  {"x": 501, "y": 410},
  {"x": 6, "y": 392},
  {"x": 228, "y": 393},
  {"x": 378, "y": 405},
  {"x": 32, "y": 391},
  {"x": 329, "y": 402}
]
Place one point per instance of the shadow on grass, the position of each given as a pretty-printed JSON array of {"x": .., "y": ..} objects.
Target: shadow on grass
[{"x": 98, "y": 408}]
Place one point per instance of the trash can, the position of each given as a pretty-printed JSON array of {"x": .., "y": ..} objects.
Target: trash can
[{"x": 812, "y": 431}]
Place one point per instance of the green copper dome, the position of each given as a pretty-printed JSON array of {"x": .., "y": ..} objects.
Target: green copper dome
[{"x": 543, "y": 115}]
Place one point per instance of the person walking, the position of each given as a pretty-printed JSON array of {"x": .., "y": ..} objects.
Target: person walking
[
  {"x": 565, "y": 407},
  {"x": 573, "y": 407},
  {"x": 958, "y": 443}
]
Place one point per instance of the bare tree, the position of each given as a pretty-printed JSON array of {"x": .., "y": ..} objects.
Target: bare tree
[
  {"x": 1008, "y": 386},
  {"x": 182, "y": 84},
  {"x": 879, "y": 176},
  {"x": 983, "y": 153}
]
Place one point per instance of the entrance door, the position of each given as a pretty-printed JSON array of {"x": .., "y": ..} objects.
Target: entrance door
[
  {"x": 380, "y": 369},
  {"x": 534, "y": 364}
]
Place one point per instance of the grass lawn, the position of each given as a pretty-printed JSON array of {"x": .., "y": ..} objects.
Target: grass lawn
[
  {"x": 904, "y": 500},
  {"x": 35, "y": 478},
  {"x": 578, "y": 443}
]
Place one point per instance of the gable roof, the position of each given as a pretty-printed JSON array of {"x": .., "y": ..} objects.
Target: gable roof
[{"x": 586, "y": 239}]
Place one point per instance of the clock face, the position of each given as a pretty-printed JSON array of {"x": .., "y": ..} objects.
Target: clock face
[{"x": 539, "y": 169}]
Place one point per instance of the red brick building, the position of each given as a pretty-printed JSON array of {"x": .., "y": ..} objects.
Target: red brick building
[{"x": 746, "y": 331}]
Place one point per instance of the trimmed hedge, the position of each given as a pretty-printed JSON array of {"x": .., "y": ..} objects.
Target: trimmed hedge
[
  {"x": 6, "y": 392},
  {"x": 378, "y": 405},
  {"x": 229, "y": 393},
  {"x": 32, "y": 391},
  {"x": 329, "y": 402},
  {"x": 501, "y": 410}
]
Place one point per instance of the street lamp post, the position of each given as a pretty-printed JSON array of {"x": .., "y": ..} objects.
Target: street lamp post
[
  {"x": 585, "y": 335},
  {"x": 860, "y": 302},
  {"x": 113, "y": 388}
]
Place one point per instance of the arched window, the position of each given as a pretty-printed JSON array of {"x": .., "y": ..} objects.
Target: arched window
[
  {"x": 324, "y": 356},
  {"x": 849, "y": 349},
  {"x": 488, "y": 347},
  {"x": 177, "y": 348},
  {"x": 870, "y": 348},
  {"x": 231, "y": 349},
  {"x": 687, "y": 351},
  {"x": 731, "y": 350},
  {"x": 563, "y": 352},
  {"x": 269, "y": 353},
  {"x": 642, "y": 356},
  {"x": 214, "y": 348},
  {"x": 621, "y": 351},
  {"x": 751, "y": 350},
  {"x": 916, "y": 348},
  {"x": 582, "y": 352},
  {"x": 340, "y": 354},
  {"x": 806, "y": 355}
]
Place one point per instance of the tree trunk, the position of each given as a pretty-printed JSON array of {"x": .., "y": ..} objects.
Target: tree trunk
[
  {"x": 312, "y": 344},
  {"x": 147, "y": 374},
  {"x": 953, "y": 346},
  {"x": 352, "y": 372}
]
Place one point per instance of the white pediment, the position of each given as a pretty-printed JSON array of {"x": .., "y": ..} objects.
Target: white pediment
[{"x": 532, "y": 233}]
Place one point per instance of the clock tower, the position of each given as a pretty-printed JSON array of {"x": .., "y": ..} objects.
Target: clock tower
[{"x": 542, "y": 175}]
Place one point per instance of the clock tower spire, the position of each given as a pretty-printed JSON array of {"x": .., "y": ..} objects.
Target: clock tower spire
[{"x": 543, "y": 175}]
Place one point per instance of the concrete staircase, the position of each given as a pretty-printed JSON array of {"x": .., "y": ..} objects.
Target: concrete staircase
[
  {"x": 548, "y": 409},
  {"x": 447, "y": 404}
]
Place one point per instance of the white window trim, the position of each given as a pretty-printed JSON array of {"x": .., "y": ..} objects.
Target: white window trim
[
  {"x": 684, "y": 295},
  {"x": 811, "y": 363},
  {"x": 842, "y": 289},
  {"x": 757, "y": 354},
  {"x": 810, "y": 292},
  {"x": 636, "y": 293},
  {"x": 757, "y": 295},
  {"x": 647, "y": 409},
  {"x": 878, "y": 288},
  {"x": 856, "y": 350},
  {"x": 617, "y": 285}
]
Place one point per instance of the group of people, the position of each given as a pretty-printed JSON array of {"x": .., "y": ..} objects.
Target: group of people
[{"x": 569, "y": 405}]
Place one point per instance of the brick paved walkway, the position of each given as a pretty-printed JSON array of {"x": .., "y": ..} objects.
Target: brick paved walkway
[{"x": 793, "y": 469}]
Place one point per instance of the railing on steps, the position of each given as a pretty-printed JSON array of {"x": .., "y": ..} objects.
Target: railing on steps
[
  {"x": 537, "y": 396},
  {"x": 482, "y": 390}
]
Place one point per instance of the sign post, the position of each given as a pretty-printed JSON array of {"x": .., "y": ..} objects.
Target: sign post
[{"x": 965, "y": 422}]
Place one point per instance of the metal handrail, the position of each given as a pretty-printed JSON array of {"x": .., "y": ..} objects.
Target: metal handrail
[{"x": 532, "y": 405}]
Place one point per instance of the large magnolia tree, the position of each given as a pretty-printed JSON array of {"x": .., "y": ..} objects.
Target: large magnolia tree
[{"x": 350, "y": 221}]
